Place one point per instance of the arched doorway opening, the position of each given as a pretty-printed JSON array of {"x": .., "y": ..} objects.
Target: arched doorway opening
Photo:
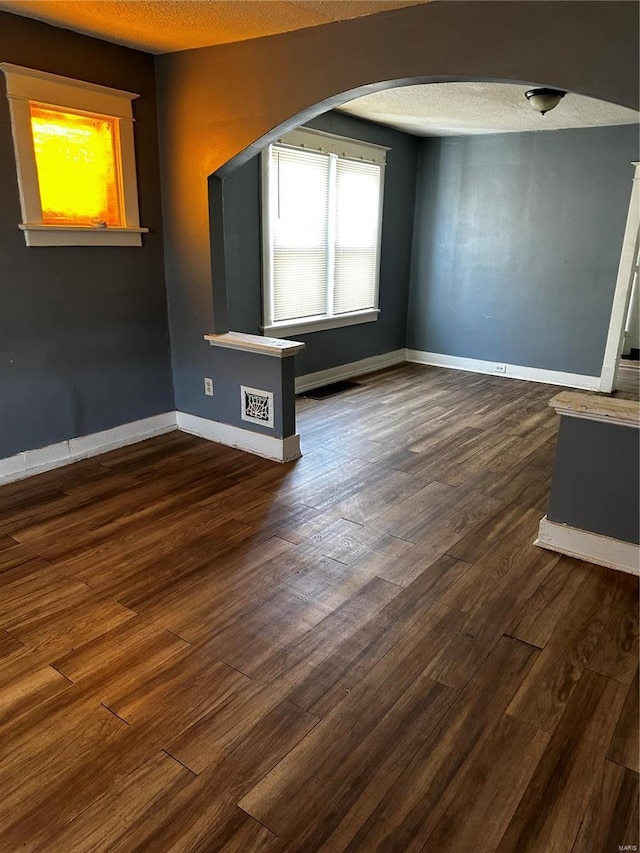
[
  {"x": 524, "y": 220},
  {"x": 217, "y": 103}
]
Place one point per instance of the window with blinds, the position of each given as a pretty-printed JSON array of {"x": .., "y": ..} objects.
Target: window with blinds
[{"x": 321, "y": 225}]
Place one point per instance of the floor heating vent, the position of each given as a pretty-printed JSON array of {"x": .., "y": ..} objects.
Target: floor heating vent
[
  {"x": 331, "y": 390},
  {"x": 256, "y": 406}
]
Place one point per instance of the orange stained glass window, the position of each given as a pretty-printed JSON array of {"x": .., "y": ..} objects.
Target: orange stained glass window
[{"x": 76, "y": 159}]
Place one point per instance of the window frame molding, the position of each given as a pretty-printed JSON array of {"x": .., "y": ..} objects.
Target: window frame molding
[
  {"x": 25, "y": 85},
  {"x": 309, "y": 139}
]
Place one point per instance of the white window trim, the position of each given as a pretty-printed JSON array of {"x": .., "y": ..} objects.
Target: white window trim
[
  {"x": 311, "y": 324},
  {"x": 331, "y": 143},
  {"x": 327, "y": 143},
  {"x": 27, "y": 84}
]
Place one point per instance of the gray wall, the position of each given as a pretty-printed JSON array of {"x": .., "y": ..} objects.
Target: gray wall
[
  {"x": 517, "y": 243},
  {"x": 83, "y": 331},
  {"x": 230, "y": 369},
  {"x": 595, "y": 480},
  {"x": 244, "y": 251},
  {"x": 217, "y": 102}
]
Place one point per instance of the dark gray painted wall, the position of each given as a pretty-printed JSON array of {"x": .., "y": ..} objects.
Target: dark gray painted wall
[
  {"x": 83, "y": 331},
  {"x": 217, "y": 102},
  {"x": 242, "y": 232},
  {"x": 517, "y": 243},
  {"x": 230, "y": 369},
  {"x": 244, "y": 251},
  {"x": 596, "y": 479}
]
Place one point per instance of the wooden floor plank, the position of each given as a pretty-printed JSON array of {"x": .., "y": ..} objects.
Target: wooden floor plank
[
  {"x": 50, "y": 768},
  {"x": 178, "y": 694},
  {"x": 616, "y": 653},
  {"x": 500, "y": 557},
  {"x": 370, "y": 502},
  {"x": 474, "y": 544},
  {"x": 7, "y": 542},
  {"x": 552, "y": 809},
  {"x": 611, "y": 820},
  {"x": 434, "y": 538},
  {"x": 187, "y": 821},
  {"x": 108, "y": 821},
  {"x": 8, "y": 646},
  {"x": 489, "y": 789},
  {"x": 239, "y": 833},
  {"x": 539, "y": 616},
  {"x": 203, "y": 743},
  {"x": 18, "y": 509},
  {"x": 124, "y": 657},
  {"x": 488, "y": 619},
  {"x": 344, "y": 799},
  {"x": 433, "y": 496},
  {"x": 528, "y": 486},
  {"x": 27, "y": 685},
  {"x": 625, "y": 742},
  {"x": 86, "y": 617},
  {"x": 14, "y": 556},
  {"x": 545, "y": 693},
  {"x": 112, "y": 565},
  {"x": 292, "y": 787},
  {"x": 336, "y": 677},
  {"x": 410, "y": 811},
  {"x": 196, "y": 588}
]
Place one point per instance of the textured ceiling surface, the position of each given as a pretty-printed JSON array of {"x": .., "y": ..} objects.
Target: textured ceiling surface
[
  {"x": 163, "y": 26},
  {"x": 457, "y": 109}
]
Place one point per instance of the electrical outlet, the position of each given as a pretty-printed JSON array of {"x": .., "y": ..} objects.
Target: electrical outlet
[
  {"x": 208, "y": 386},
  {"x": 500, "y": 368}
]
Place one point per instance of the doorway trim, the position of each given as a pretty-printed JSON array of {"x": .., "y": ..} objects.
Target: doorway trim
[{"x": 624, "y": 282}]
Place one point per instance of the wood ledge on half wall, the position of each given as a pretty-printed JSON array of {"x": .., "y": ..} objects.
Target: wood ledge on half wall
[
  {"x": 256, "y": 343},
  {"x": 597, "y": 407}
]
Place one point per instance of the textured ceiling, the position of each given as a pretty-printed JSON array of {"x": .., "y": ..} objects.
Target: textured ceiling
[
  {"x": 457, "y": 109},
  {"x": 440, "y": 109},
  {"x": 163, "y": 26}
]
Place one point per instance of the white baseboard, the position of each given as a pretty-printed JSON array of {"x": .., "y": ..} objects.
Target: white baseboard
[
  {"x": 592, "y": 547},
  {"x": 31, "y": 462},
  {"x": 278, "y": 449},
  {"x": 512, "y": 371},
  {"x": 348, "y": 371}
]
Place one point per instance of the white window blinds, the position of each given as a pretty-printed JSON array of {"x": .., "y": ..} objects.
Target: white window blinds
[
  {"x": 321, "y": 234},
  {"x": 299, "y": 206},
  {"x": 357, "y": 215}
]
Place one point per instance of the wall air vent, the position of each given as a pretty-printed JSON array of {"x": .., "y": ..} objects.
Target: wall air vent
[{"x": 257, "y": 406}]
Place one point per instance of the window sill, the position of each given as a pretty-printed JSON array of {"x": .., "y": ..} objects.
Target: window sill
[
  {"x": 304, "y": 327},
  {"x": 81, "y": 235}
]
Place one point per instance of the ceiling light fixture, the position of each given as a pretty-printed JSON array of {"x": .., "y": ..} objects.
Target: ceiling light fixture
[{"x": 544, "y": 100}]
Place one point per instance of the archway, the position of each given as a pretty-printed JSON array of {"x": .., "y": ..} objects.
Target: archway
[{"x": 218, "y": 105}]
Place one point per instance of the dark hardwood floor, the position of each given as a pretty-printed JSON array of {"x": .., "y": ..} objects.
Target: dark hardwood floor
[
  {"x": 201, "y": 650},
  {"x": 628, "y": 377}
]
